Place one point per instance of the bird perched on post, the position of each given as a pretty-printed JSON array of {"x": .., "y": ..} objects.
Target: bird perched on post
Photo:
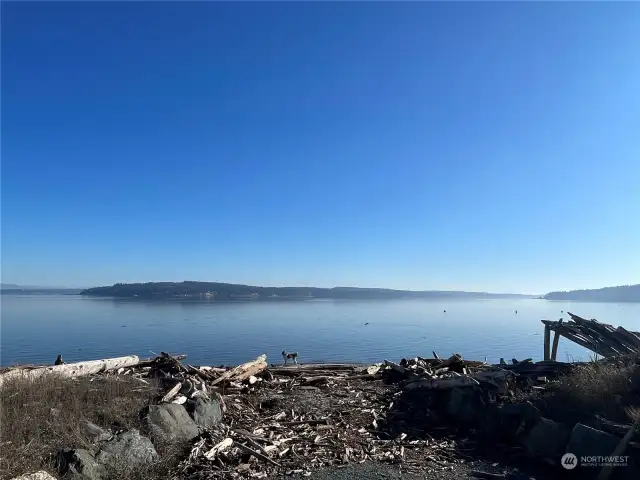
[{"x": 59, "y": 360}]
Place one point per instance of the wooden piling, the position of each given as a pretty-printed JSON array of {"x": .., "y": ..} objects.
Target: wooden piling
[
  {"x": 556, "y": 339},
  {"x": 547, "y": 341}
]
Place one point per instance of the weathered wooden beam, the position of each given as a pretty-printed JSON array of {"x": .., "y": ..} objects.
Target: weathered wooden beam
[
  {"x": 442, "y": 383},
  {"x": 556, "y": 339},
  {"x": 547, "y": 339}
]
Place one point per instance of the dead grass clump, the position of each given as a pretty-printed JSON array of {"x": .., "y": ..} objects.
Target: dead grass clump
[
  {"x": 595, "y": 388},
  {"x": 40, "y": 417}
]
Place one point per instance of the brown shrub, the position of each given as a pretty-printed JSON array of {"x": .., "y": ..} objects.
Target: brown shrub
[
  {"x": 39, "y": 417},
  {"x": 609, "y": 390}
]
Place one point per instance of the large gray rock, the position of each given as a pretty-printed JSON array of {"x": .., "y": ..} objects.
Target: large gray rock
[
  {"x": 80, "y": 462},
  {"x": 206, "y": 412},
  {"x": 590, "y": 442},
  {"x": 547, "y": 440},
  {"x": 171, "y": 421},
  {"x": 586, "y": 441},
  {"x": 128, "y": 448},
  {"x": 41, "y": 475}
]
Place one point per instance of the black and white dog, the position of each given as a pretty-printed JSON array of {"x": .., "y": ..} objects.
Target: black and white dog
[{"x": 290, "y": 356}]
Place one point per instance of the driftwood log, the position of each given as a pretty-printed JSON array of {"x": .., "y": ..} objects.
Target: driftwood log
[
  {"x": 244, "y": 371},
  {"x": 72, "y": 370}
]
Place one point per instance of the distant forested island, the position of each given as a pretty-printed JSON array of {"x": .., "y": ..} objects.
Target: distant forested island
[
  {"x": 234, "y": 292},
  {"x": 14, "y": 289},
  {"x": 625, "y": 293}
]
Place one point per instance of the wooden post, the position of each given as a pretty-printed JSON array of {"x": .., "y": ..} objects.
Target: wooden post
[
  {"x": 547, "y": 340},
  {"x": 556, "y": 339}
]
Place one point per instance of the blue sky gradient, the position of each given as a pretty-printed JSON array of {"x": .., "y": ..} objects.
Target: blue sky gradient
[{"x": 475, "y": 146}]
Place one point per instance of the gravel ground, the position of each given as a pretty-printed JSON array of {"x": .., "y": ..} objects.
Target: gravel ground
[{"x": 373, "y": 471}]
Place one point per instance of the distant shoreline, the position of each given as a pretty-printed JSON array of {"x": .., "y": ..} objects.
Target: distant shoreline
[
  {"x": 228, "y": 292},
  {"x": 225, "y": 292}
]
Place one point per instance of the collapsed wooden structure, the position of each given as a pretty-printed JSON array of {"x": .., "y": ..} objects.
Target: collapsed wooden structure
[{"x": 601, "y": 338}]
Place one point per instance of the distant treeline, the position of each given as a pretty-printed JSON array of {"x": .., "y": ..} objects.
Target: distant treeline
[
  {"x": 40, "y": 291},
  {"x": 625, "y": 293},
  {"x": 229, "y": 292}
]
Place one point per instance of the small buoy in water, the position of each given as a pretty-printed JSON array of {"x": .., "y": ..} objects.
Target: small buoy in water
[
  {"x": 516, "y": 312},
  {"x": 366, "y": 323},
  {"x": 445, "y": 311}
]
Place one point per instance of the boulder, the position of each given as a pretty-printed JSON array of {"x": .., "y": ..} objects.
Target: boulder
[
  {"x": 586, "y": 441},
  {"x": 41, "y": 475},
  {"x": 547, "y": 440},
  {"x": 128, "y": 448},
  {"x": 590, "y": 442},
  {"x": 171, "y": 421},
  {"x": 80, "y": 462},
  {"x": 206, "y": 412}
]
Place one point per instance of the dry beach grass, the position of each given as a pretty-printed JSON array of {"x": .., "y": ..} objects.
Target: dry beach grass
[
  {"x": 609, "y": 389},
  {"x": 39, "y": 417}
]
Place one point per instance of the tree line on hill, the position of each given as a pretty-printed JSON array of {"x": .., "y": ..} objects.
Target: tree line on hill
[
  {"x": 230, "y": 291},
  {"x": 624, "y": 293}
]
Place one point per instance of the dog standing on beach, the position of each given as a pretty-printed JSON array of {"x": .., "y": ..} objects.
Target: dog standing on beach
[{"x": 286, "y": 356}]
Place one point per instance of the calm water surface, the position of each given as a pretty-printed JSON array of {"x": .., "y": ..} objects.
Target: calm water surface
[{"x": 36, "y": 328}]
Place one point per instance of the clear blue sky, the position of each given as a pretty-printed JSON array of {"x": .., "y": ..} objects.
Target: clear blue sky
[{"x": 482, "y": 146}]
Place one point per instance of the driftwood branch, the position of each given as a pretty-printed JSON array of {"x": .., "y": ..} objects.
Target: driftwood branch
[
  {"x": 244, "y": 371},
  {"x": 257, "y": 454}
]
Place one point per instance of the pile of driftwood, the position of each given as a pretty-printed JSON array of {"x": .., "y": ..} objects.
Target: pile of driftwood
[
  {"x": 455, "y": 372},
  {"x": 600, "y": 338},
  {"x": 293, "y": 420}
]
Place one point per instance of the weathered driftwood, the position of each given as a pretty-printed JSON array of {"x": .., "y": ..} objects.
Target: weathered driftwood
[
  {"x": 256, "y": 454},
  {"x": 556, "y": 340},
  {"x": 397, "y": 368},
  {"x": 442, "y": 383},
  {"x": 547, "y": 339},
  {"x": 217, "y": 448},
  {"x": 172, "y": 393},
  {"x": 340, "y": 367},
  {"x": 147, "y": 362},
  {"x": 73, "y": 369},
  {"x": 244, "y": 371}
]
